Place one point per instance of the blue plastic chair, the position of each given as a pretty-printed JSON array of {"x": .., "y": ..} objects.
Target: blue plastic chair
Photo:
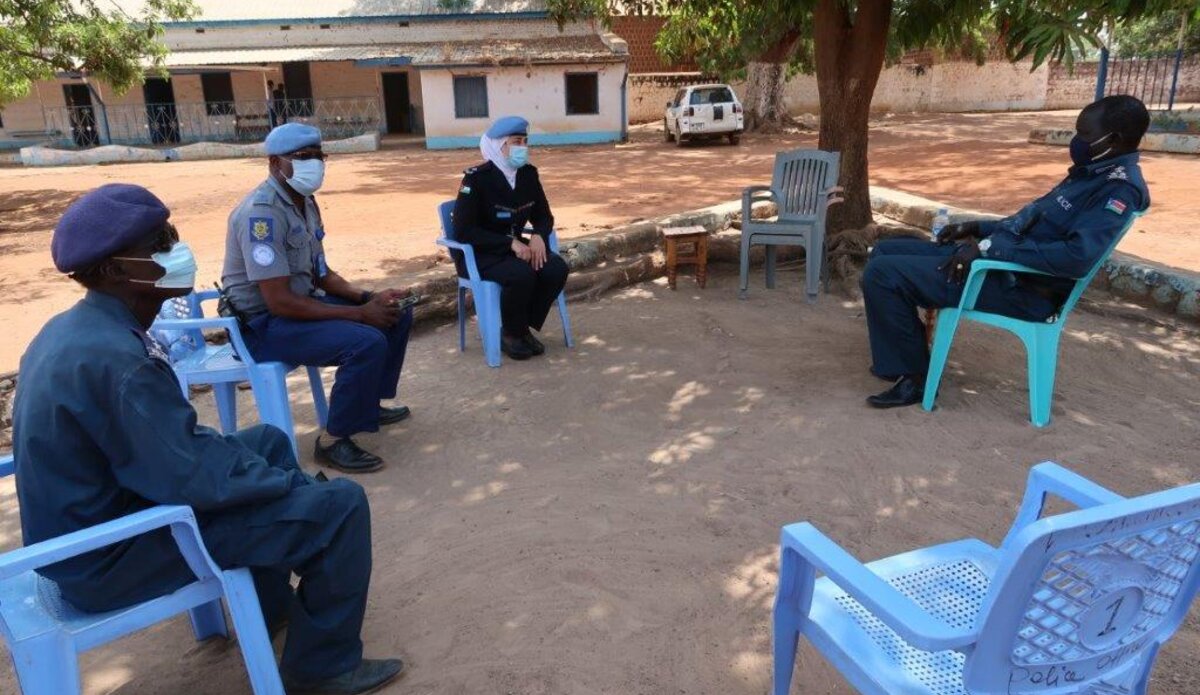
[
  {"x": 224, "y": 366},
  {"x": 44, "y": 634},
  {"x": 486, "y": 294},
  {"x": 1040, "y": 339},
  {"x": 1073, "y": 604}
]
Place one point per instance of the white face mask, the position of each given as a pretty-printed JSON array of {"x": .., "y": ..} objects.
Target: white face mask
[
  {"x": 307, "y": 175},
  {"x": 178, "y": 264}
]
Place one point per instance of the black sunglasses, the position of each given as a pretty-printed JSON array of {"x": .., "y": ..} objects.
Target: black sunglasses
[{"x": 302, "y": 156}]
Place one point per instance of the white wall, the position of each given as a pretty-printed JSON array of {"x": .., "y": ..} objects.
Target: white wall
[{"x": 536, "y": 92}]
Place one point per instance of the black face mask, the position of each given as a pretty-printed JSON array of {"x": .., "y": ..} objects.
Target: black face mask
[{"x": 1081, "y": 150}]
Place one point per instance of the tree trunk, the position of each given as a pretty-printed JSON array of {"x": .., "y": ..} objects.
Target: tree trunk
[
  {"x": 849, "y": 57},
  {"x": 765, "y": 78},
  {"x": 764, "y": 96}
]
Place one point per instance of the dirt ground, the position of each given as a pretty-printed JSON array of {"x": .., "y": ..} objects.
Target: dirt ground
[
  {"x": 379, "y": 206},
  {"x": 605, "y": 519}
]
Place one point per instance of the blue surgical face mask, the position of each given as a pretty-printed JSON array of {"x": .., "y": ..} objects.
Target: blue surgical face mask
[
  {"x": 1081, "y": 150},
  {"x": 178, "y": 264},
  {"x": 307, "y": 175},
  {"x": 518, "y": 156}
]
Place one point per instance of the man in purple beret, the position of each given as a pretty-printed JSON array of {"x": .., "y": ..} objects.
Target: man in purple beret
[{"x": 101, "y": 430}]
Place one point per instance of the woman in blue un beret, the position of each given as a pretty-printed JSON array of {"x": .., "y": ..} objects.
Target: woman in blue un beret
[{"x": 496, "y": 200}]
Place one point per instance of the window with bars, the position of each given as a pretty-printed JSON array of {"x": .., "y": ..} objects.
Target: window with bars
[
  {"x": 218, "y": 93},
  {"x": 583, "y": 93},
  {"x": 470, "y": 97}
]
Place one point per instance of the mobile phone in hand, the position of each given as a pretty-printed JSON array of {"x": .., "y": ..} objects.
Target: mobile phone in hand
[{"x": 406, "y": 302}]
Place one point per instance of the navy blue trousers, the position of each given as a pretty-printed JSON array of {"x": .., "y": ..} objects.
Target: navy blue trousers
[
  {"x": 319, "y": 531},
  {"x": 526, "y": 295},
  {"x": 902, "y": 275},
  {"x": 369, "y": 361}
]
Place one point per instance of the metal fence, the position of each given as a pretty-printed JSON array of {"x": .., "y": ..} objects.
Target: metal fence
[
  {"x": 1154, "y": 78},
  {"x": 214, "y": 121}
]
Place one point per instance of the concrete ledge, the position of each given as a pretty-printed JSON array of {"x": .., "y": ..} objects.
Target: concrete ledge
[
  {"x": 1173, "y": 290},
  {"x": 1175, "y": 143},
  {"x": 47, "y": 156}
]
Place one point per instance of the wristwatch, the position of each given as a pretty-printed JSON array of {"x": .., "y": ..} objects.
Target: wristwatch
[{"x": 984, "y": 245}]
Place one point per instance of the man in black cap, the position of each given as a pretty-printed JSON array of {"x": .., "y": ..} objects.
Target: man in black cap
[{"x": 101, "y": 430}]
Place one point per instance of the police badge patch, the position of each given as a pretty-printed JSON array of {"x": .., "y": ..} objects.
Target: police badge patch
[
  {"x": 262, "y": 229},
  {"x": 263, "y": 255}
]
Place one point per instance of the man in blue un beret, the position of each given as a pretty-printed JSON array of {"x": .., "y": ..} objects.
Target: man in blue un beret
[
  {"x": 101, "y": 430},
  {"x": 297, "y": 309}
]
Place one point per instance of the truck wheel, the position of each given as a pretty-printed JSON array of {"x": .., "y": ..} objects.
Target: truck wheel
[
  {"x": 667, "y": 132},
  {"x": 734, "y": 138}
]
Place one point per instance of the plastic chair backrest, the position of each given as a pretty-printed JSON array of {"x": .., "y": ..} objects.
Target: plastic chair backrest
[
  {"x": 1082, "y": 283},
  {"x": 1083, "y": 599},
  {"x": 446, "y": 215},
  {"x": 801, "y": 179}
]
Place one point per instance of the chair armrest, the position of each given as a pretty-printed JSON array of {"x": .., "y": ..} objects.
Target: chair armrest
[
  {"x": 7, "y": 467},
  {"x": 180, "y": 518},
  {"x": 979, "y": 270},
  {"x": 755, "y": 191},
  {"x": 206, "y": 295},
  {"x": 228, "y": 323},
  {"x": 753, "y": 194},
  {"x": 1049, "y": 478},
  {"x": 833, "y": 196},
  {"x": 468, "y": 253},
  {"x": 896, "y": 610}
]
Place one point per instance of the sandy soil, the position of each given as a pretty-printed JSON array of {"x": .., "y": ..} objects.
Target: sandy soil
[
  {"x": 605, "y": 520},
  {"x": 379, "y": 206}
]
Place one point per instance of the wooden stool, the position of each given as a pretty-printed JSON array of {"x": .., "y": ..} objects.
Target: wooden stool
[{"x": 696, "y": 236}]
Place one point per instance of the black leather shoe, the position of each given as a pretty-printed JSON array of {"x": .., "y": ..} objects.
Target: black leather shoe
[
  {"x": 535, "y": 345},
  {"x": 390, "y": 416},
  {"x": 370, "y": 675},
  {"x": 348, "y": 457},
  {"x": 515, "y": 348},
  {"x": 908, "y": 390}
]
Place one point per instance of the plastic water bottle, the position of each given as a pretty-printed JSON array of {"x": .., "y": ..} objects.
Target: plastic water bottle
[{"x": 940, "y": 220}]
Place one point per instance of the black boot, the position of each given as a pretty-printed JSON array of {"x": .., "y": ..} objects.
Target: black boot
[
  {"x": 388, "y": 416},
  {"x": 370, "y": 675},
  {"x": 908, "y": 390},
  {"x": 347, "y": 456},
  {"x": 515, "y": 347},
  {"x": 535, "y": 345}
]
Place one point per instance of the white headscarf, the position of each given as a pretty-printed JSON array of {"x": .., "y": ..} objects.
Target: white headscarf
[{"x": 490, "y": 147}]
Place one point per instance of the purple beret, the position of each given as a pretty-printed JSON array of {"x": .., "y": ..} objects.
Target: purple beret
[{"x": 103, "y": 222}]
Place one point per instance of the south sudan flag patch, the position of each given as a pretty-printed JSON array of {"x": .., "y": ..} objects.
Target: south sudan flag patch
[{"x": 1114, "y": 205}]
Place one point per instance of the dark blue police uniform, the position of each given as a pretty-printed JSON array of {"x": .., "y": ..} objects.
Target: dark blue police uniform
[
  {"x": 269, "y": 238},
  {"x": 101, "y": 430},
  {"x": 489, "y": 214},
  {"x": 1064, "y": 233}
]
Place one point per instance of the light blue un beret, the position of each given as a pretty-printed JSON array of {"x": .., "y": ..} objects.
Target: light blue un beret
[
  {"x": 290, "y": 137},
  {"x": 104, "y": 221},
  {"x": 508, "y": 125}
]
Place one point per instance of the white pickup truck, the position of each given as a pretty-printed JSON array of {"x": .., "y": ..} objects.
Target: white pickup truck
[{"x": 703, "y": 111}]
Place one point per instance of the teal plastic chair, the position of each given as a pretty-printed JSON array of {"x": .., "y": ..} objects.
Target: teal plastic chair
[
  {"x": 1040, "y": 339},
  {"x": 44, "y": 634},
  {"x": 1072, "y": 604}
]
